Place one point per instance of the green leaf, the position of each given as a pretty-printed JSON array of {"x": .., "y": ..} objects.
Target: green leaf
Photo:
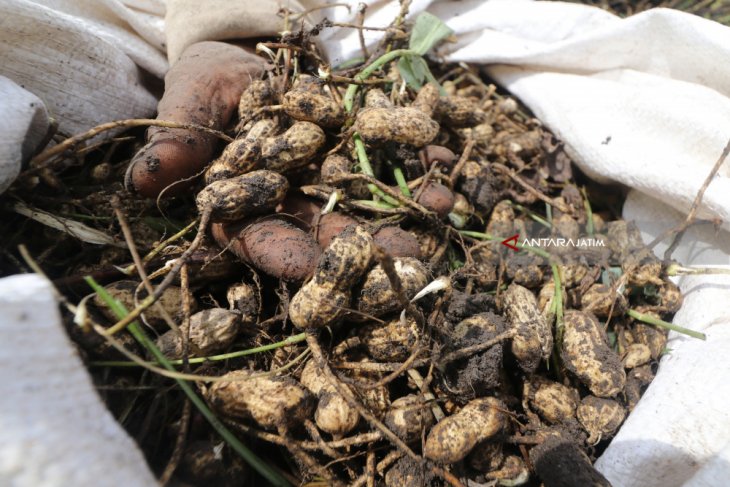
[
  {"x": 415, "y": 71},
  {"x": 407, "y": 72},
  {"x": 612, "y": 339},
  {"x": 420, "y": 68},
  {"x": 650, "y": 291},
  {"x": 427, "y": 32},
  {"x": 608, "y": 276},
  {"x": 432, "y": 79}
]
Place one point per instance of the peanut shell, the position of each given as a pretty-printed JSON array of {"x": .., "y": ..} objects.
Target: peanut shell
[{"x": 586, "y": 354}]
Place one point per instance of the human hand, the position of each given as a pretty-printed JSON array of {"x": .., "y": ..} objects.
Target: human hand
[{"x": 202, "y": 88}]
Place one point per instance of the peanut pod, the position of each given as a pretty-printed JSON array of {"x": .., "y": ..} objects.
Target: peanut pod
[
  {"x": 533, "y": 338},
  {"x": 250, "y": 194},
  {"x": 454, "y": 437},
  {"x": 294, "y": 148},
  {"x": 270, "y": 401},
  {"x": 586, "y": 354}
]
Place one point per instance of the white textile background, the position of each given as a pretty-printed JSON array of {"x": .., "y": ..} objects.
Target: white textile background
[{"x": 643, "y": 101}]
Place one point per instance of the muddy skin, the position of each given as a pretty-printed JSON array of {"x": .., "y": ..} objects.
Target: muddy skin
[
  {"x": 203, "y": 88},
  {"x": 273, "y": 246}
]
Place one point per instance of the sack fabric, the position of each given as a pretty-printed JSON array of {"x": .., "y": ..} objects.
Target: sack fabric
[{"x": 642, "y": 101}]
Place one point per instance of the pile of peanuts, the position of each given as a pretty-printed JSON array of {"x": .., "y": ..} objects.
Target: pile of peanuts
[{"x": 474, "y": 377}]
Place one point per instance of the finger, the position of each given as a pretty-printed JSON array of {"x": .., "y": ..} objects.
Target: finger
[{"x": 202, "y": 88}]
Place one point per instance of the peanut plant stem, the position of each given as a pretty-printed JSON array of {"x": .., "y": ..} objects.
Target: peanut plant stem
[
  {"x": 665, "y": 324},
  {"x": 292, "y": 340},
  {"x": 152, "y": 298},
  {"x": 365, "y": 73},
  {"x": 265, "y": 470}
]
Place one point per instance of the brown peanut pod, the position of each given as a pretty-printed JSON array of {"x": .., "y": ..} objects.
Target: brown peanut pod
[
  {"x": 637, "y": 354},
  {"x": 501, "y": 221},
  {"x": 455, "y": 436},
  {"x": 565, "y": 226},
  {"x": 522, "y": 144},
  {"x": 586, "y": 354},
  {"x": 572, "y": 273},
  {"x": 654, "y": 339},
  {"x": 506, "y": 106},
  {"x": 426, "y": 99},
  {"x": 485, "y": 260},
  {"x": 313, "y": 378},
  {"x": 376, "y": 399},
  {"x": 377, "y": 297},
  {"x": 317, "y": 305},
  {"x": 408, "y": 416},
  {"x": 376, "y": 98},
  {"x": 651, "y": 336},
  {"x": 404, "y": 125},
  {"x": 513, "y": 471},
  {"x": 482, "y": 134},
  {"x": 236, "y": 155},
  {"x": 303, "y": 105},
  {"x": 259, "y": 94},
  {"x": 487, "y": 456},
  {"x": 244, "y": 298},
  {"x": 643, "y": 273},
  {"x": 462, "y": 205},
  {"x": 670, "y": 297},
  {"x": 294, "y": 148},
  {"x": 334, "y": 414},
  {"x": 525, "y": 269},
  {"x": 459, "y": 111},
  {"x": 554, "y": 402},
  {"x": 242, "y": 155},
  {"x": 170, "y": 344},
  {"x": 270, "y": 401},
  {"x": 246, "y": 195},
  {"x": 546, "y": 296},
  {"x": 635, "y": 381},
  {"x": 428, "y": 242},
  {"x": 600, "y": 299},
  {"x": 478, "y": 91},
  {"x": 211, "y": 331},
  {"x": 624, "y": 239},
  {"x": 390, "y": 342},
  {"x": 600, "y": 417},
  {"x": 334, "y": 167},
  {"x": 533, "y": 338},
  {"x": 345, "y": 259}
]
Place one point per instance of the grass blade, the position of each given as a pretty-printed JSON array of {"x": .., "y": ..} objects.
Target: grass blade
[{"x": 250, "y": 457}]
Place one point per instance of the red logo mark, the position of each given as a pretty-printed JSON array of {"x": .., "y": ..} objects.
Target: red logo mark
[{"x": 512, "y": 239}]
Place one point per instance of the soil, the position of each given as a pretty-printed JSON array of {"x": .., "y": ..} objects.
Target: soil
[{"x": 276, "y": 252}]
